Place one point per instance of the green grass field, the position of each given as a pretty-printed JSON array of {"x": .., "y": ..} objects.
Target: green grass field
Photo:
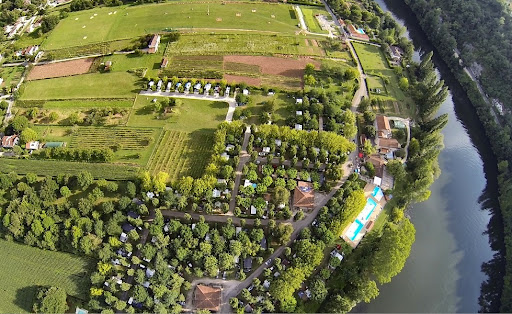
[
  {"x": 311, "y": 21},
  {"x": 11, "y": 75},
  {"x": 94, "y": 85},
  {"x": 55, "y": 167},
  {"x": 182, "y": 153},
  {"x": 283, "y": 107},
  {"x": 192, "y": 115},
  {"x": 24, "y": 268},
  {"x": 123, "y": 63},
  {"x": 374, "y": 63},
  {"x": 111, "y": 23},
  {"x": 248, "y": 43}
]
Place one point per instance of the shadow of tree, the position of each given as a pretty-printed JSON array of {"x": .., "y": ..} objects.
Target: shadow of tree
[{"x": 25, "y": 297}]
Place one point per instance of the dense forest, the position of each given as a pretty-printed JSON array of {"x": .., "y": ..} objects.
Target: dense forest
[{"x": 481, "y": 31}]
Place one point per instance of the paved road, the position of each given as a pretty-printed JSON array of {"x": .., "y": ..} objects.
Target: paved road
[
  {"x": 362, "y": 91},
  {"x": 212, "y": 218},
  {"x": 244, "y": 158},
  {"x": 297, "y": 226},
  {"x": 484, "y": 96}
]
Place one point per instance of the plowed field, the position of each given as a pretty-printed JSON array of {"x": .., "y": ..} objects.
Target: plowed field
[
  {"x": 60, "y": 69},
  {"x": 274, "y": 65}
]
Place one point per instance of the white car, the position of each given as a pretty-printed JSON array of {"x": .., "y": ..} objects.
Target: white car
[{"x": 268, "y": 262}]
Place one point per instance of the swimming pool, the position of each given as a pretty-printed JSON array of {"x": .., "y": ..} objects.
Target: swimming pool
[
  {"x": 360, "y": 31},
  {"x": 377, "y": 193},
  {"x": 367, "y": 210},
  {"x": 354, "y": 229}
]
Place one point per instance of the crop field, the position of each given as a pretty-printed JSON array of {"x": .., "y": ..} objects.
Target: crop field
[
  {"x": 374, "y": 63},
  {"x": 53, "y": 168},
  {"x": 275, "y": 66},
  {"x": 242, "y": 68},
  {"x": 93, "y": 85},
  {"x": 89, "y": 49},
  {"x": 247, "y": 43},
  {"x": 182, "y": 154},
  {"x": 195, "y": 66},
  {"x": 236, "y": 79},
  {"x": 109, "y": 23},
  {"x": 59, "y": 69},
  {"x": 311, "y": 21},
  {"x": 24, "y": 268},
  {"x": 192, "y": 115}
]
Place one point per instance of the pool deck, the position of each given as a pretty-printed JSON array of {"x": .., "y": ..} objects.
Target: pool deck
[{"x": 368, "y": 190}]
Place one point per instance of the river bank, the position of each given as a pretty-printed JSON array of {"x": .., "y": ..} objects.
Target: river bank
[{"x": 443, "y": 273}]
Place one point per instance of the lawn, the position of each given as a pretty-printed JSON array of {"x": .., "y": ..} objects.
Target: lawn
[
  {"x": 311, "y": 21},
  {"x": 247, "y": 43},
  {"x": 111, "y": 23},
  {"x": 24, "y": 268},
  {"x": 192, "y": 115},
  {"x": 93, "y": 85},
  {"x": 124, "y": 63},
  {"x": 11, "y": 75},
  {"x": 182, "y": 153},
  {"x": 374, "y": 63},
  {"x": 55, "y": 167}
]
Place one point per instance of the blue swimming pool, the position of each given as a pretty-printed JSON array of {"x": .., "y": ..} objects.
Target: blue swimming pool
[
  {"x": 367, "y": 210},
  {"x": 360, "y": 31},
  {"x": 377, "y": 193},
  {"x": 357, "y": 230}
]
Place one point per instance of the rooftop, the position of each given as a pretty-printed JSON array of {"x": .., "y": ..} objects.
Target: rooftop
[
  {"x": 206, "y": 297},
  {"x": 304, "y": 195}
]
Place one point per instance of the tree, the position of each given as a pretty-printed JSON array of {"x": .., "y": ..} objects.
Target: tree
[
  {"x": 28, "y": 135},
  {"x": 50, "y": 300},
  {"x": 53, "y": 116},
  {"x": 145, "y": 181},
  {"x": 309, "y": 80},
  {"x": 160, "y": 181},
  {"x": 49, "y": 22},
  {"x": 64, "y": 191},
  {"x": 19, "y": 123},
  {"x": 318, "y": 290},
  {"x": 351, "y": 73},
  {"x": 283, "y": 233},
  {"x": 394, "y": 248},
  {"x": 403, "y": 83},
  {"x": 368, "y": 148},
  {"x": 84, "y": 179}
]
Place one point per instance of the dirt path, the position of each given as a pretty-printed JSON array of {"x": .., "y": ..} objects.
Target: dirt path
[{"x": 244, "y": 158}]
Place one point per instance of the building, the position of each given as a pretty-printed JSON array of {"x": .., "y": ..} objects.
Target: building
[
  {"x": 335, "y": 253},
  {"x": 395, "y": 53},
  {"x": 164, "y": 63},
  {"x": 29, "y": 51},
  {"x": 34, "y": 145},
  {"x": 10, "y": 141},
  {"x": 153, "y": 44},
  {"x": 389, "y": 144},
  {"x": 358, "y": 33},
  {"x": 304, "y": 195},
  {"x": 208, "y": 298},
  {"x": 248, "y": 264},
  {"x": 108, "y": 66},
  {"x": 383, "y": 127},
  {"x": 53, "y": 144}
]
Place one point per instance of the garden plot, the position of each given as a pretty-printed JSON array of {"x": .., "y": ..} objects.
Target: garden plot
[
  {"x": 275, "y": 66},
  {"x": 60, "y": 69}
]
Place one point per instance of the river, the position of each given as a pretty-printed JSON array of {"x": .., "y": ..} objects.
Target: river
[{"x": 443, "y": 272}]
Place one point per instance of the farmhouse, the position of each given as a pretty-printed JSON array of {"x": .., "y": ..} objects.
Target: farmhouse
[
  {"x": 153, "y": 44},
  {"x": 358, "y": 33},
  {"x": 208, "y": 298},
  {"x": 304, "y": 195},
  {"x": 164, "y": 63},
  {"x": 389, "y": 143},
  {"x": 383, "y": 127},
  {"x": 395, "y": 53},
  {"x": 34, "y": 145},
  {"x": 10, "y": 141}
]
